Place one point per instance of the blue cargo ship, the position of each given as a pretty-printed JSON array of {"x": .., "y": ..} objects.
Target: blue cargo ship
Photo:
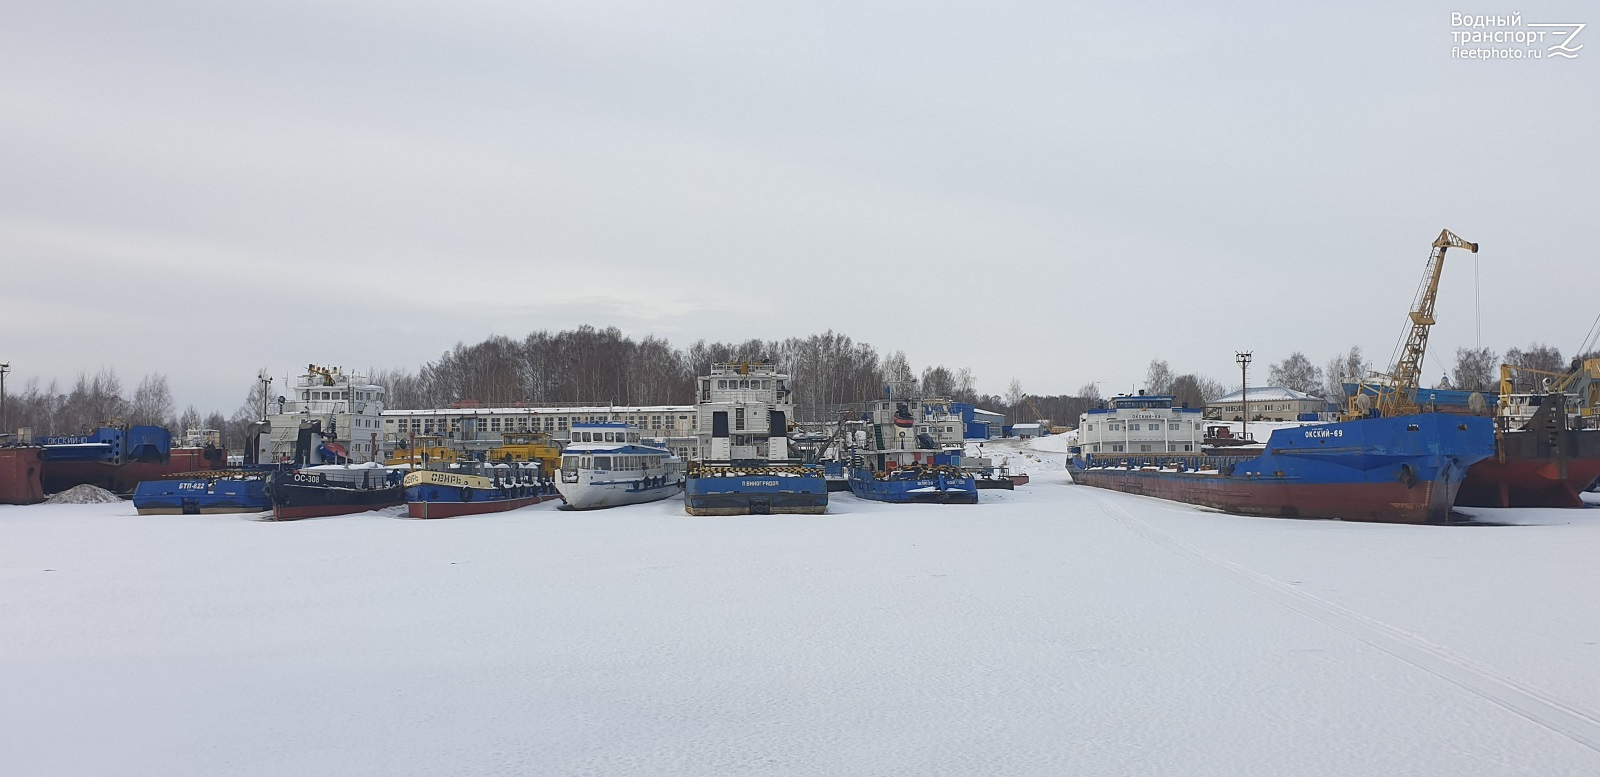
[
  {"x": 1400, "y": 469},
  {"x": 746, "y": 465}
]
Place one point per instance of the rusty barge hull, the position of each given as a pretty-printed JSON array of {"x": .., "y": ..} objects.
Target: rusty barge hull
[{"x": 1535, "y": 469}]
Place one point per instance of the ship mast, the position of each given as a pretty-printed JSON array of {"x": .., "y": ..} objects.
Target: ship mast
[{"x": 1398, "y": 395}]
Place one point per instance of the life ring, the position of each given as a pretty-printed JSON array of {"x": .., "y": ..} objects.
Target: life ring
[{"x": 466, "y": 494}]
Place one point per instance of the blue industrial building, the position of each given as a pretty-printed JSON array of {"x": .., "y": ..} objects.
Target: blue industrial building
[{"x": 979, "y": 424}]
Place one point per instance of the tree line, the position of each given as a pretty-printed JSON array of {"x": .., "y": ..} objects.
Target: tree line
[
  {"x": 54, "y": 410},
  {"x": 590, "y": 365}
]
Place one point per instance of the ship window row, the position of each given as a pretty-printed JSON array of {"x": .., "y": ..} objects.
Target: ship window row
[
  {"x": 744, "y": 383},
  {"x": 525, "y": 423},
  {"x": 610, "y": 463},
  {"x": 1152, "y": 426},
  {"x": 334, "y": 395},
  {"x": 1118, "y": 447},
  {"x": 605, "y": 436},
  {"x": 1261, "y": 406}
]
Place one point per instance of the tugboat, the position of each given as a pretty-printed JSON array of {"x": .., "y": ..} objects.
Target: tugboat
[
  {"x": 746, "y": 465},
  {"x": 318, "y": 489},
  {"x": 334, "y": 489},
  {"x": 474, "y": 490},
  {"x": 607, "y": 464},
  {"x": 901, "y": 461}
]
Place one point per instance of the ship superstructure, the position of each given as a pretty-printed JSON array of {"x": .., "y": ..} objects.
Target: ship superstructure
[
  {"x": 899, "y": 456},
  {"x": 331, "y": 415},
  {"x": 744, "y": 463}
]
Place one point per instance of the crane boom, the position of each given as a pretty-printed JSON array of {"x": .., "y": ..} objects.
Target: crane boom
[{"x": 1399, "y": 395}]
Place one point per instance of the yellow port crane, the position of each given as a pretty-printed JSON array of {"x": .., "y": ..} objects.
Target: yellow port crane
[
  {"x": 1397, "y": 395},
  {"x": 1581, "y": 384}
]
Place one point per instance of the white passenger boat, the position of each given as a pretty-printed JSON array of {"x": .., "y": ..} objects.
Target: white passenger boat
[{"x": 606, "y": 465}]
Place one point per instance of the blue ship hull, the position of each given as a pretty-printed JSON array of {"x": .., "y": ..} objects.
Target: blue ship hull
[
  {"x": 440, "y": 501},
  {"x": 1405, "y": 469},
  {"x": 784, "y": 490},
  {"x": 201, "y": 496},
  {"x": 909, "y": 487}
]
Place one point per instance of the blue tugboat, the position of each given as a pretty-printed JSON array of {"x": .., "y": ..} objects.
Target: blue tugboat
[
  {"x": 902, "y": 461},
  {"x": 746, "y": 465}
]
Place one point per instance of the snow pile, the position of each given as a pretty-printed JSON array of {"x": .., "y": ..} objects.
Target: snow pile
[
  {"x": 1053, "y": 443},
  {"x": 83, "y": 495},
  {"x": 1028, "y": 457}
]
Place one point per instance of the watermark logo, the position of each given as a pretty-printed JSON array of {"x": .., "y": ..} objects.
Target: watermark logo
[{"x": 1486, "y": 36}]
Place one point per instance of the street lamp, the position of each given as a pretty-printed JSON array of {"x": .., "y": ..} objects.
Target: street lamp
[{"x": 1243, "y": 358}]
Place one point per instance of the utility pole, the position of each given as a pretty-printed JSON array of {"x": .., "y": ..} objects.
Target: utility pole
[
  {"x": 5, "y": 428},
  {"x": 1243, "y": 358}
]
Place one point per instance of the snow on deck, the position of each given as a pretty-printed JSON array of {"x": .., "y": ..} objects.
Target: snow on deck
[{"x": 1052, "y": 630}]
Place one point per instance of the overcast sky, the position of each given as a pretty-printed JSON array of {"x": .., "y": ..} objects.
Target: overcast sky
[{"x": 1051, "y": 192}]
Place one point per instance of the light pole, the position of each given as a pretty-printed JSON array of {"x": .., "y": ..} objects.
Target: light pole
[
  {"x": 266, "y": 385},
  {"x": 1243, "y": 358}
]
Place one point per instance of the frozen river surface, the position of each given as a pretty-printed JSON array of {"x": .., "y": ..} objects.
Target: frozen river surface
[{"x": 1054, "y": 630}]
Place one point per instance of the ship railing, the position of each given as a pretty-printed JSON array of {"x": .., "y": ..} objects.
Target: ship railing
[{"x": 1179, "y": 462}]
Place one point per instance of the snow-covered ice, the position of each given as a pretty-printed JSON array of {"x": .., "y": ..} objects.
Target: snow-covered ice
[{"x": 1053, "y": 630}]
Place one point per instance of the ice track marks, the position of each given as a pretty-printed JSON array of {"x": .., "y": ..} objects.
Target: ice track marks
[{"x": 1564, "y": 718}]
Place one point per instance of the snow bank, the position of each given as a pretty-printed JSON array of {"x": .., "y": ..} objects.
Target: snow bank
[{"x": 83, "y": 495}]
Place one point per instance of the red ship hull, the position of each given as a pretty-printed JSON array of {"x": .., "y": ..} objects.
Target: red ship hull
[
  {"x": 295, "y": 513},
  {"x": 1422, "y": 502},
  {"x": 58, "y": 476},
  {"x": 19, "y": 476},
  {"x": 458, "y": 509},
  {"x": 1545, "y": 468}
]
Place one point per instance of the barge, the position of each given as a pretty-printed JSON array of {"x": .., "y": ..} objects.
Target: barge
[{"x": 1398, "y": 469}]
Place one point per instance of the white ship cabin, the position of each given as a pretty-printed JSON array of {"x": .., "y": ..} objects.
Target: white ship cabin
[
  {"x": 938, "y": 418},
  {"x": 743, "y": 411},
  {"x": 603, "y": 436},
  {"x": 348, "y": 407},
  {"x": 610, "y": 446},
  {"x": 1141, "y": 424},
  {"x": 931, "y": 419}
]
